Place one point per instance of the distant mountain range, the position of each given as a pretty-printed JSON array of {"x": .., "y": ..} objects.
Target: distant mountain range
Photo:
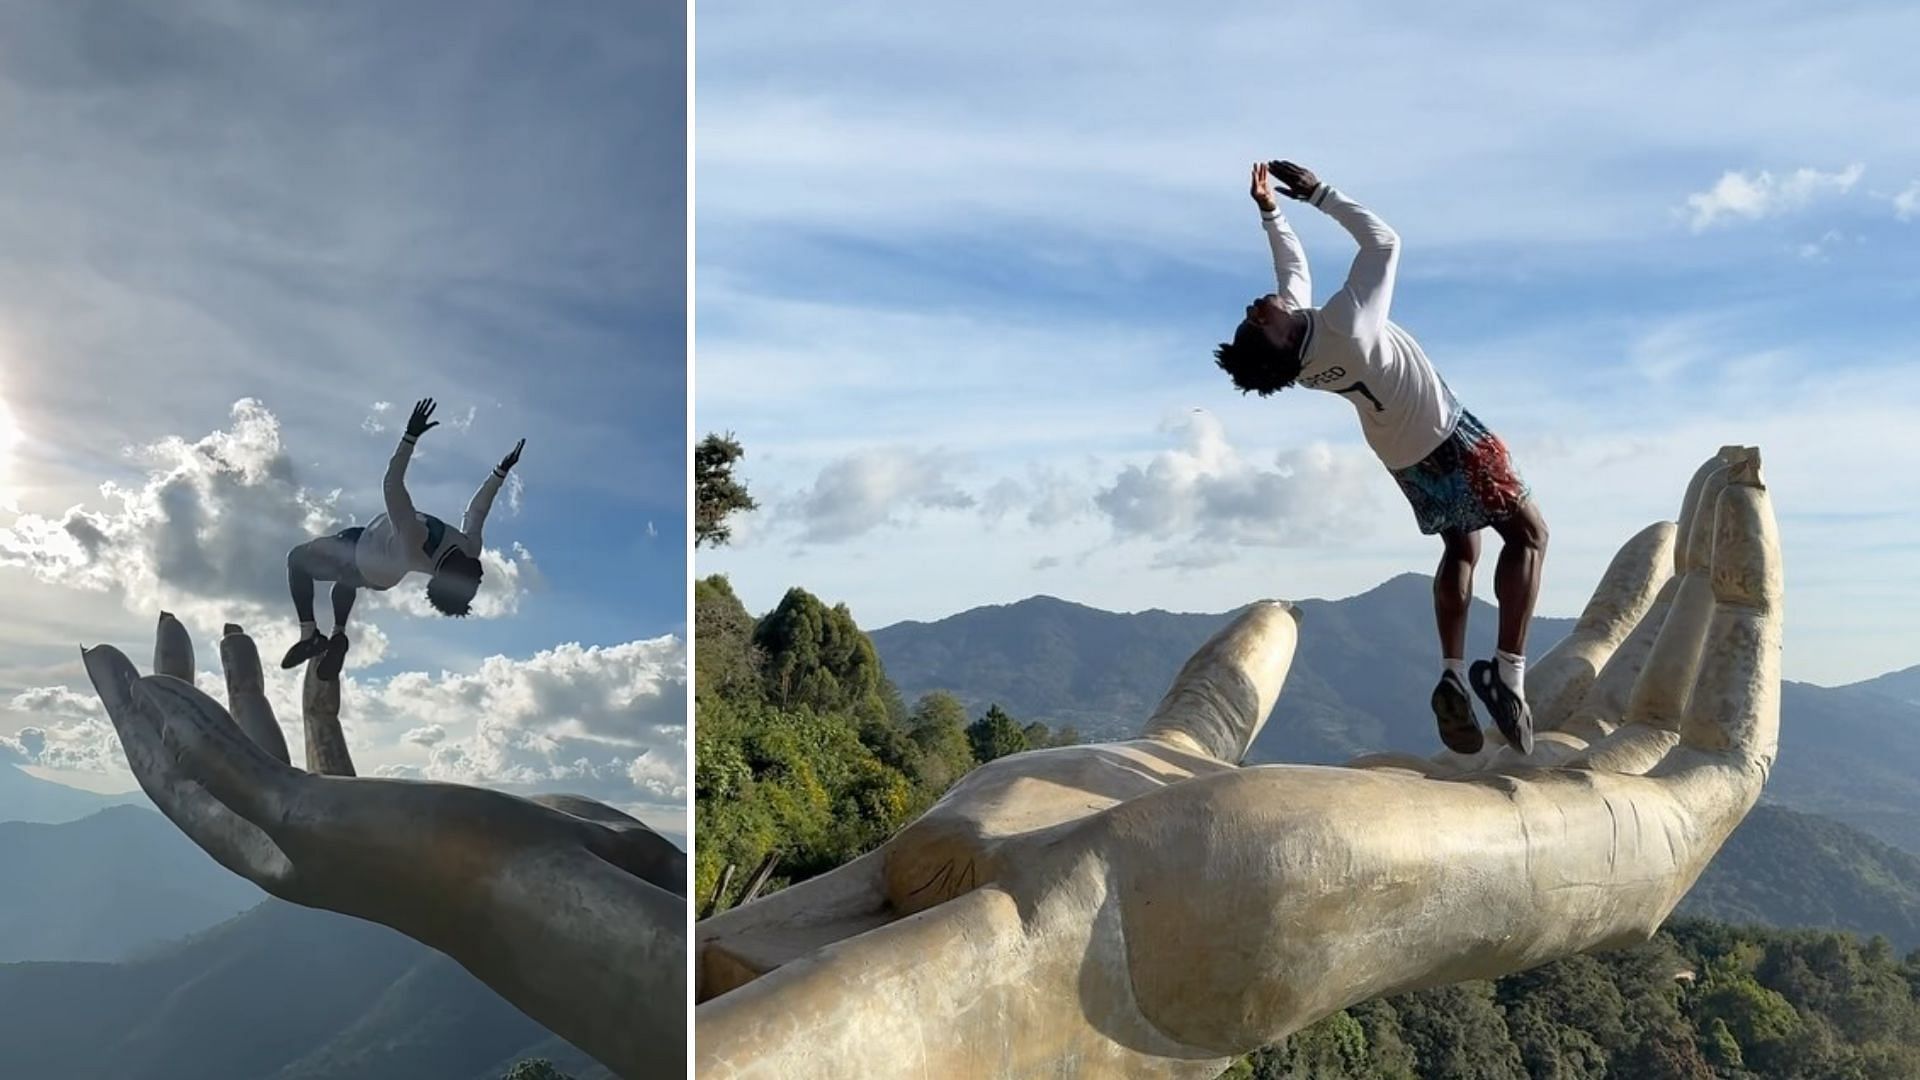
[
  {"x": 1786, "y": 869},
  {"x": 279, "y": 993},
  {"x": 1360, "y": 682},
  {"x": 108, "y": 886},
  {"x": 1902, "y": 685},
  {"x": 1361, "y": 660},
  {"x": 25, "y": 797}
]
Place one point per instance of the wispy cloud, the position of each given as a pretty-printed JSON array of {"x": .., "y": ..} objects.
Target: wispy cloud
[
  {"x": 875, "y": 487},
  {"x": 375, "y": 422},
  {"x": 1906, "y": 205},
  {"x": 1738, "y": 195}
]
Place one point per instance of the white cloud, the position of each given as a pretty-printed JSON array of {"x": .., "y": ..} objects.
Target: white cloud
[
  {"x": 69, "y": 731},
  {"x": 1906, "y": 205},
  {"x": 210, "y": 526},
  {"x": 604, "y": 721},
  {"x": 871, "y": 488},
  {"x": 1205, "y": 496},
  {"x": 1761, "y": 195},
  {"x": 1048, "y": 497},
  {"x": 430, "y": 735},
  {"x": 375, "y": 422},
  {"x": 1819, "y": 250}
]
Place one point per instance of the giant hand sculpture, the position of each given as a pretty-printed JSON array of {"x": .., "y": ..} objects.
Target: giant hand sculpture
[
  {"x": 568, "y": 908},
  {"x": 1146, "y": 908}
]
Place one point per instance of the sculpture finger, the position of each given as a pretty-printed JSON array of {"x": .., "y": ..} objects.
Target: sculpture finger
[
  {"x": 1735, "y": 704},
  {"x": 172, "y": 649},
  {"x": 1632, "y": 751},
  {"x": 234, "y": 842},
  {"x": 320, "y": 715},
  {"x": 1627, "y": 589},
  {"x": 1221, "y": 698},
  {"x": 1605, "y": 704},
  {"x": 247, "y": 692},
  {"x": 208, "y": 747},
  {"x": 1602, "y": 707},
  {"x": 1690, "y": 505},
  {"x": 1659, "y": 696}
]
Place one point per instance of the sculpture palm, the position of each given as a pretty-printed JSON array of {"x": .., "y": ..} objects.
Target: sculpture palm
[
  {"x": 568, "y": 908},
  {"x": 1147, "y": 908}
]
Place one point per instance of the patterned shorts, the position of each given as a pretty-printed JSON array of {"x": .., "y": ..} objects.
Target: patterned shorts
[{"x": 1467, "y": 483}]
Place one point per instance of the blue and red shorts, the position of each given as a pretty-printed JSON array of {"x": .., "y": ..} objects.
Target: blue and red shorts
[{"x": 1466, "y": 484}]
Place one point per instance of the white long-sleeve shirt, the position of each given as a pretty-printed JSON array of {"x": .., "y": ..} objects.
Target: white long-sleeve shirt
[
  {"x": 1352, "y": 349},
  {"x": 404, "y": 540}
]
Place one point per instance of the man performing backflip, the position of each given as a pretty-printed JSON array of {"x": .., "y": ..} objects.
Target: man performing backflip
[
  {"x": 1454, "y": 471},
  {"x": 388, "y": 548}
]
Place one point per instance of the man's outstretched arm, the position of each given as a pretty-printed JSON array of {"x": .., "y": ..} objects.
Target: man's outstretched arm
[
  {"x": 1359, "y": 309},
  {"x": 406, "y": 522},
  {"x": 476, "y": 518},
  {"x": 1290, "y": 274}
]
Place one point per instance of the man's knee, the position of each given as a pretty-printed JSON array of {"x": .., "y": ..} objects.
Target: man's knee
[
  {"x": 1461, "y": 548},
  {"x": 1525, "y": 529}
]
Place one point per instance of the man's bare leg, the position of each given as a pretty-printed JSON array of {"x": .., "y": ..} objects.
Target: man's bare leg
[
  {"x": 1452, "y": 600},
  {"x": 1453, "y": 590},
  {"x": 1516, "y": 578},
  {"x": 1501, "y": 682}
]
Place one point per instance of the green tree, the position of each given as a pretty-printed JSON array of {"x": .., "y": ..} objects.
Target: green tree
[
  {"x": 1038, "y": 735},
  {"x": 995, "y": 735},
  {"x": 817, "y": 657},
  {"x": 717, "y": 495},
  {"x": 535, "y": 1069},
  {"x": 1720, "y": 1048},
  {"x": 726, "y": 661},
  {"x": 938, "y": 726}
]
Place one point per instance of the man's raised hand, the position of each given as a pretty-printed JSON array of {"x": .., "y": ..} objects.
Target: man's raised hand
[
  {"x": 420, "y": 422},
  {"x": 1262, "y": 191},
  {"x": 513, "y": 456},
  {"x": 1297, "y": 180}
]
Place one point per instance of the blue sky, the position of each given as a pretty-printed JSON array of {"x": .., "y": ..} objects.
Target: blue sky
[
  {"x": 228, "y": 234},
  {"x": 960, "y": 275}
]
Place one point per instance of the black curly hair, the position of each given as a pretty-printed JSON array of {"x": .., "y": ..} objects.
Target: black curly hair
[
  {"x": 1254, "y": 364},
  {"x": 452, "y": 587}
]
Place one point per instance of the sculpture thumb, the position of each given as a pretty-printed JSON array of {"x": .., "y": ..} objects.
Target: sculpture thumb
[{"x": 1220, "y": 700}]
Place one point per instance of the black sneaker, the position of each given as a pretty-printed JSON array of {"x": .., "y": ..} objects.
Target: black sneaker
[
  {"x": 1509, "y": 709},
  {"x": 1453, "y": 709},
  {"x": 335, "y": 658},
  {"x": 304, "y": 650}
]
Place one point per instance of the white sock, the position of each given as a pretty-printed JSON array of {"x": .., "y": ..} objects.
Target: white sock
[
  {"x": 1458, "y": 667},
  {"x": 307, "y": 630},
  {"x": 1513, "y": 670}
]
